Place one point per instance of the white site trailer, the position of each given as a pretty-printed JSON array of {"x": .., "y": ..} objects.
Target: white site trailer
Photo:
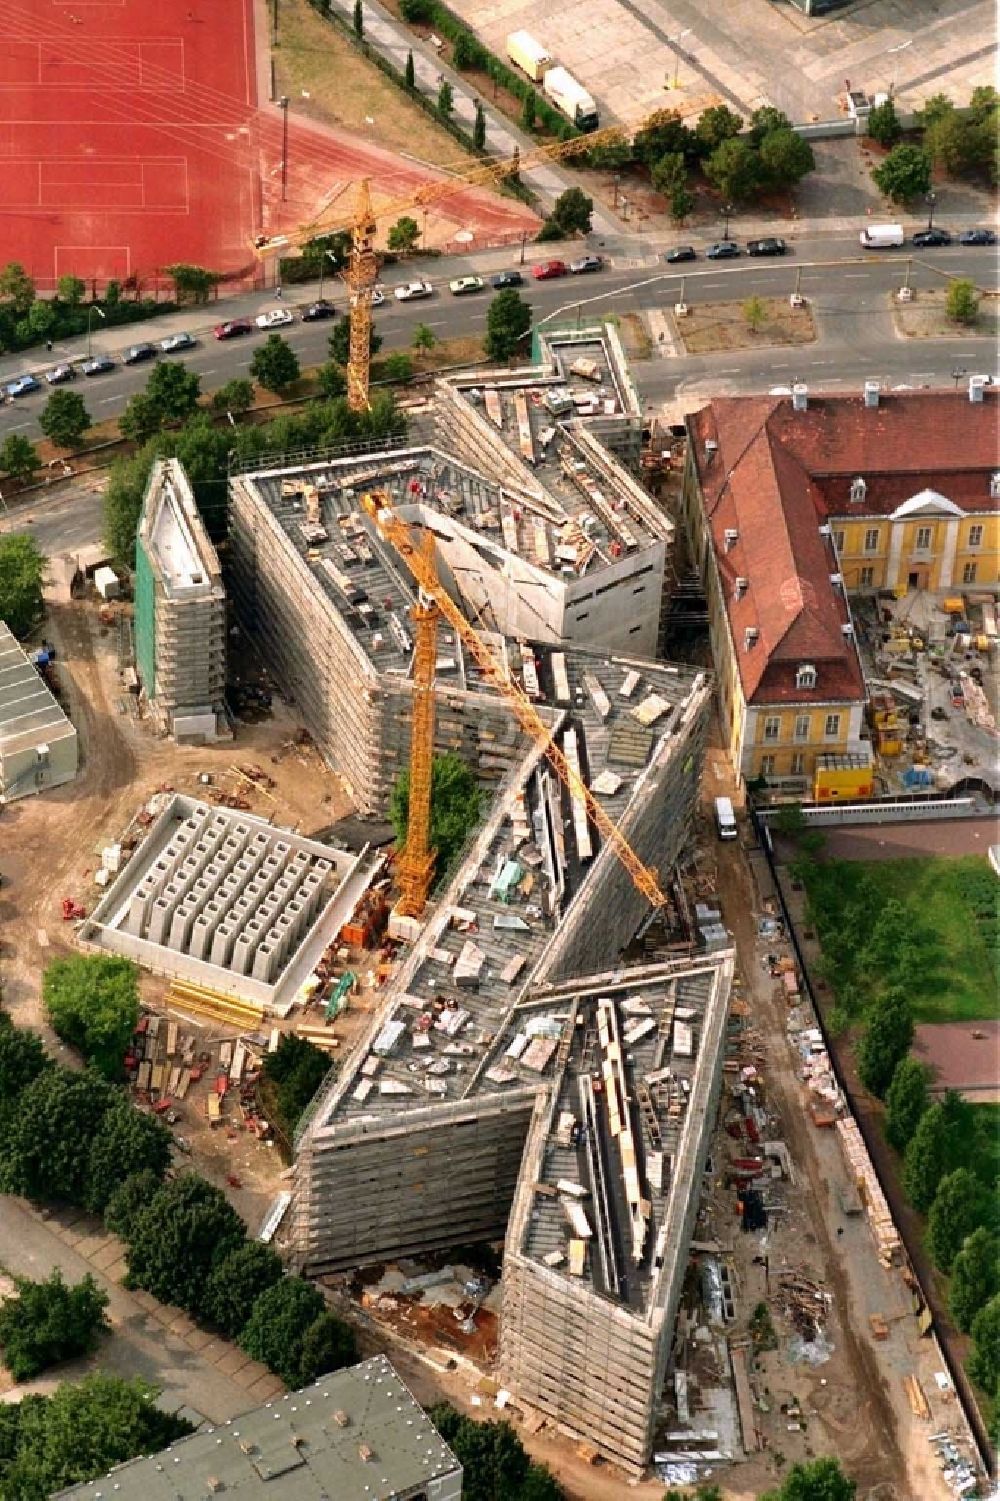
[
  {"x": 528, "y": 55},
  {"x": 571, "y": 97}
]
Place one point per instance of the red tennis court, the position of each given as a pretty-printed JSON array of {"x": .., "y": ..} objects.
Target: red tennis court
[{"x": 130, "y": 138}]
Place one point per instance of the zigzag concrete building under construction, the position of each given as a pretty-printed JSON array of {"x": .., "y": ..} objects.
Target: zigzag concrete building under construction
[{"x": 516, "y": 1080}]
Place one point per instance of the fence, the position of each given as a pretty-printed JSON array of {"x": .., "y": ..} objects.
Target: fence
[{"x": 896, "y": 809}]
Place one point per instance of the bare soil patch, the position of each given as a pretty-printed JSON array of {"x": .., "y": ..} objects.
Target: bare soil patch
[
  {"x": 925, "y": 318},
  {"x": 714, "y": 326}
]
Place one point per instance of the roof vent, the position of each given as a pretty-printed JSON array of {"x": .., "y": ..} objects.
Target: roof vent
[
  {"x": 750, "y": 636},
  {"x": 837, "y": 580},
  {"x": 977, "y": 385},
  {"x": 740, "y": 587},
  {"x": 800, "y": 396},
  {"x": 995, "y": 485},
  {"x": 872, "y": 389},
  {"x": 847, "y": 630},
  {"x": 215, "y": 1485},
  {"x": 859, "y": 489},
  {"x": 341, "y": 1418},
  {"x": 365, "y": 1453},
  {"x": 711, "y": 448},
  {"x": 731, "y": 537}
]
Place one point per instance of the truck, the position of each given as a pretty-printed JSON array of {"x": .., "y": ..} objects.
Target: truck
[
  {"x": 571, "y": 97},
  {"x": 528, "y": 55},
  {"x": 725, "y": 818},
  {"x": 882, "y": 236}
]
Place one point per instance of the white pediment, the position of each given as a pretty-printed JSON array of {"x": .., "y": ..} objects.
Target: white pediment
[{"x": 927, "y": 503}]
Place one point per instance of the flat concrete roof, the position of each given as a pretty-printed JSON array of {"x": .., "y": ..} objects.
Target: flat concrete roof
[
  {"x": 29, "y": 715},
  {"x": 179, "y": 546},
  {"x": 356, "y": 1435},
  {"x": 964, "y": 1056}
]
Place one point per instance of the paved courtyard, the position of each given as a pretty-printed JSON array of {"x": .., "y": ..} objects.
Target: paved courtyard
[{"x": 752, "y": 52}]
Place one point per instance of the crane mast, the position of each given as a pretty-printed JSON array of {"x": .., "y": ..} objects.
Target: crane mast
[{"x": 416, "y": 865}]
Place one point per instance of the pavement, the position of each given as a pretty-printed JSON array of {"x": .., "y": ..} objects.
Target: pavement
[
  {"x": 847, "y": 289},
  {"x": 191, "y": 1367}
]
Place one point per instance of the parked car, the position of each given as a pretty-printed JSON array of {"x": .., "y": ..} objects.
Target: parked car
[
  {"x": 462, "y": 285},
  {"x": 586, "y": 263},
  {"x": 233, "y": 329},
  {"x": 411, "y": 290},
  {"x": 317, "y": 310},
  {"x": 771, "y": 245},
  {"x": 680, "y": 253},
  {"x": 59, "y": 374},
  {"x": 275, "y": 317},
  {"x": 546, "y": 270},
  {"x": 23, "y": 386},
  {"x": 977, "y": 237},
  {"x": 506, "y": 279},
  {"x": 723, "y": 250},
  {"x": 173, "y": 343},
  {"x": 99, "y": 364},
  {"x": 378, "y": 297},
  {"x": 925, "y": 239},
  {"x": 136, "y": 353}
]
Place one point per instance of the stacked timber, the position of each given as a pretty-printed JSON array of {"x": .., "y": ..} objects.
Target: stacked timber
[{"x": 863, "y": 1174}]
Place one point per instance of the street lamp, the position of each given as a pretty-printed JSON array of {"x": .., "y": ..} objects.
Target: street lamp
[
  {"x": 322, "y": 269},
  {"x": 894, "y": 52},
  {"x": 283, "y": 105},
  {"x": 672, "y": 41},
  {"x": 90, "y": 324},
  {"x": 727, "y": 209},
  {"x": 930, "y": 199}
]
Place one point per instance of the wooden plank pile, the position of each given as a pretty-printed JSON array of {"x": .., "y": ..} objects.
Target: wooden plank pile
[{"x": 863, "y": 1174}]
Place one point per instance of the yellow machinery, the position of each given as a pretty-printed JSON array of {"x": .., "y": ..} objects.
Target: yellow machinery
[
  {"x": 419, "y": 560},
  {"x": 362, "y": 269},
  {"x": 847, "y": 776},
  {"x": 416, "y": 866}
]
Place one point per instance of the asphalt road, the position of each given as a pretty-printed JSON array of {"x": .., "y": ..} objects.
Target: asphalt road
[{"x": 847, "y": 289}]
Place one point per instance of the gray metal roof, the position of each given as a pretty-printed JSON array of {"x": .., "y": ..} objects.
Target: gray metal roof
[
  {"x": 29, "y": 715},
  {"x": 356, "y": 1435}
]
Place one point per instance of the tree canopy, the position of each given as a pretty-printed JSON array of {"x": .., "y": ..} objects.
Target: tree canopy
[
  {"x": 495, "y": 1462},
  {"x": 886, "y": 1041},
  {"x": 22, "y": 570},
  {"x": 508, "y": 322},
  {"x": 933, "y": 1150},
  {"x": 129, "y": 1201},
  {"x": 883, "y": 124},
  {"x": 975, "y": 1276},
  {"x": 188, "y": 1227},
  {"x": 906, "y": 1100},
  {"x": 40, "y": 1155},
  {"x": 92, "y": 1001},
  {"x": 904, "y": 174},
  {"x": 173, "y": 391},
  {"x": 44, "y": 1323},
  {"x": 814, "y": 1480},
  {"x": 275, "y": 364},
  {"x": 295, "y": 1070},
  {"x": 18, "y": 456},
  {"x": 64, "y": 418},
  {"x": 237, "y": 1281},
  {"x": 22, "y": 1058},
  {"x": 572, "y": 211},
  {"x": 962, "y": 301},
  {"x": 734, "y": 168},
  {"x": 404, "y": 234},
  {"x": 984, "y": 1362},
  {"x": 235, "y": 396},
  {"x": 294, "y": 1334},
  {"x": 127, "y": 1142},
  {"x": 957, "y": 1210},
  {"x": 455, "y": 802}
]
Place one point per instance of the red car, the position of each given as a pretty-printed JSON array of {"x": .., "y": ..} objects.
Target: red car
[
  {"x": 233, "y": 328},
  {"x": 547, "y": 269}
]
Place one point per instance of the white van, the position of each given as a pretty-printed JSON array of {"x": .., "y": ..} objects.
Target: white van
[
  {"x": 882, "y": 236},
  {"x": 725, "y": 818},
  {"x": 529, "y": 55}
]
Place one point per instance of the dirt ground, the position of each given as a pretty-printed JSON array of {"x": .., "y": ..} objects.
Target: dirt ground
[
  {"x": 712, "y": 326},
  {"x": 925, "y": 318}
]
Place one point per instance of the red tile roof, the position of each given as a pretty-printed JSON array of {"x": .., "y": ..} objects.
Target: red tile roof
[{"x": 774, "y": 478}]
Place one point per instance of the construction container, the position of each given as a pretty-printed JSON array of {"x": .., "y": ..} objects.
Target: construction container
[{"x": 844, "y": 777}]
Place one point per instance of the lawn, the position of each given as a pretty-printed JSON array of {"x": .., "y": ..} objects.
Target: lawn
[
  {"x": 951, "y": 908},
  {"x": 711, "y": 326}
]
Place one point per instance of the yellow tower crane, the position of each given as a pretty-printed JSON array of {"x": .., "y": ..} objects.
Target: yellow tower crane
[
  {"x": 420, "y": 561},
  {"x": 362, "y": 269},
  {"x": 415, "y": 869}
]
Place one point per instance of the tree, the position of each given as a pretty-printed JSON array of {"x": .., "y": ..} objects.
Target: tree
[
  {"x": 890, "y": 930},
  {"x": 479, "y": 129},
  {"x": 41, "y": 320},
  {"x": 188, "y": 1227},
  {"x": 339, "y": 342},
  {"x": 494, "y": 1460},
  {"x": 173, "y": 390},
  {"x": 682, "y": 201},
  {"x": 397, "y": 367},
  {"x": 905, "y": 1101},
  {"x": 883, "y": 124},
  {"x": 129, "y": 1202},
  {"x": 58, "y": 1110},
  {"x": 886, "y": 1041},
  {"x": 957, "y": 1210},
  {"x": 140, "y": 421},
  {"x": 235, "y": 396},
  {"x": 92, "y": 1001},
  {"x": 22, "y": 1056},
  {"x": 22, "y": 569},
  {"x": 423, "y": 337},
  {"x": 668, "y": 172},
  {"x": 935, "y": 108},
  {"x": 237, "y": 1281},
  {"x": 331, "y": 379},
  {"x": 984, "y": 1362},
  {"x": 446, "y": 99},
  {"x": 327, "y": 1345},
  {"x": 64, "y": 418},
  {"x": 927, "y": 1158},
  {"x": 18, "y": 456},
  {"x": 734, "y": 168},
  {"x": 814, "y": 1480},
  {"x": 454, "y": 807},
  {"x": 17, "y": 286},
  {"x": 82, "y": 1431},
  {"x": 44, "y": 1323},
  {"x": 904, "y": 174},
  {"x": 409, "y": 72},
  {"x": 786, "y": 158},
  {"x": 277, "y": 1327},
  {"x": 765, "y": 121},
  {"x": 126, "y": 1143},
  {"x": 529, "y": 109},
  {"x": 508, "y": 321},
  {"x": 463, "y": 51},
  {"x": 572, "y": 211},
  {"x": 275, "y": 364},
  {"x": 716, "y": 125},
  {"x": 292, "y": 1074},
  {"x": 359, "y": 18},
  {"x": 962, "y": 302},
  {"x": 70, "y": 290},
  {"x": 404, "y": 234},
  {"x": 664, "y": 135},
  {"x": 754, "y": 314},
  {"x": 192, "y": 283},
  {"x": 975, "y": 1276}
]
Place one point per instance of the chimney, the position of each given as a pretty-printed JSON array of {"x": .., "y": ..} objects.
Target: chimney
[
  {"x": 731, "y": 537},
  {"x": 871, "y": 393},
  {"x": 800, "y": 396},
  {"x": 750, "y": 637},
  {"x": 740, "y": 588},
  {"x": 977, "y": 385}
]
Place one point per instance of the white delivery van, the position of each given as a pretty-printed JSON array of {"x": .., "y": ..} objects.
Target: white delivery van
[
  {"x": 882, "y": 236},
  {"x": 571, "y": 97},
  {"x": 725, "y": 818},
  {"x": 528, "y": 55}
]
